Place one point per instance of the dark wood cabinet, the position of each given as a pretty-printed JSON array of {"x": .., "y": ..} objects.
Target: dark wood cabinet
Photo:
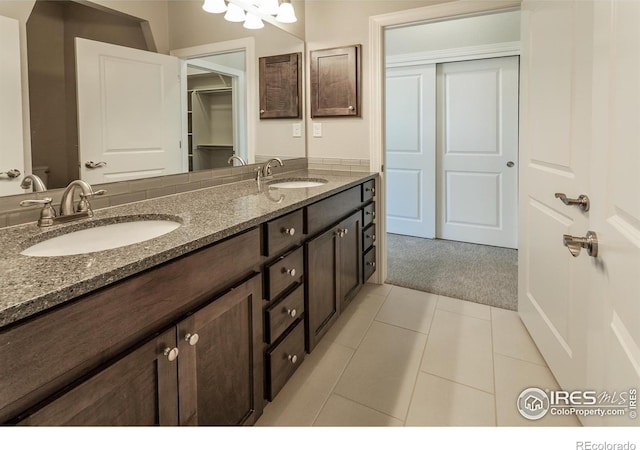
[
  {"x": 280, "y": 86},
  {"x": 138, "y": 389},
  {"x": 336, "y": 82},
  {"x": 333, "y": 275},
  {"x": 220, "y": 359}
]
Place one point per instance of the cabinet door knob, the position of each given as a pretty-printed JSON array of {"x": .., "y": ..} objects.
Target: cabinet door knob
[
  {"x": 345, "y": 232},
  {"x": 262, "y": 111},
  {"x": 351, "y": 108},
  {"x": 291, "y": 272},
  {"x": 292, "y": 312},
  {"x": 192, "y": 339},
  {"x": 293, "y": 358},
  {"x": 371, "y": 263},
  {"x": 290, "y": 231},
  {"x": 171, "y": 353}
]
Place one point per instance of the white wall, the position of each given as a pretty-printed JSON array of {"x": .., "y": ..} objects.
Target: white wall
[{"x": 466, "y": 32}]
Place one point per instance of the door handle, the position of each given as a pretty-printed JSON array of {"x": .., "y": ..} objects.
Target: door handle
[
  {"x": 94, "y": 165},
  {"x": 582, "y": 201},
  {"x": 575, "y": 244}
]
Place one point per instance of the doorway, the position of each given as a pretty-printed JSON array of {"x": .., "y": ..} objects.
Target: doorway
[{"x": 451, "y": 156}]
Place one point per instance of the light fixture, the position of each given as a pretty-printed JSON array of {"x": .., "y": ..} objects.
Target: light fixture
[
  {"x": 251, "y": 12},
  {"x": 253, "y": 22},
  {"x": 286, "y": 14},
  {"x": 234, "y": 13},
  {"x": 214, "y": 6}
]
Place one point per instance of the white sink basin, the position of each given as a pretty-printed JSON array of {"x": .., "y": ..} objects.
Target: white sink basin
[
  {"x": 103, "y": 237},
  {"x": 297, "y": 184}
]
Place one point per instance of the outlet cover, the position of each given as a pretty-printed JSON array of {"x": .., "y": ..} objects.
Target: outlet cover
[
  {"x": 297, "y": 130},
  {"x": 317, "y": 129}
]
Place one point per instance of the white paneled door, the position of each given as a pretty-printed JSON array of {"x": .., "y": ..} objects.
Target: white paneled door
[
  {"x": 477, "y": 151},
  {"x": 410, "y": 147},
  {"x": 129, "y": 112},
  {"x": 11, "y": 142},
  {"x": 580, "y": 135}
]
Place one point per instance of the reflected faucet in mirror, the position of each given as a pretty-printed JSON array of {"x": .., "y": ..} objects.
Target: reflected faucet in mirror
[
  {"x": 237, "y": 158},
  {"x": 68, "y": 212},
  {"x": 33, "y": 182}
]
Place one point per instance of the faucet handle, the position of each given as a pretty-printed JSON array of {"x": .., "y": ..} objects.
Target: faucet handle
[
  {"x": 84, "y": 205},
  {"x": 47, "y": 214}
]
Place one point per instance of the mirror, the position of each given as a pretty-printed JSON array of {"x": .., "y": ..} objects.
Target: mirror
[{"x": 180, "y": 28}]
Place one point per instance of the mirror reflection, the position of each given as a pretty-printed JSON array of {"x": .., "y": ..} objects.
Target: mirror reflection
[{"x": 215, "y": 114}]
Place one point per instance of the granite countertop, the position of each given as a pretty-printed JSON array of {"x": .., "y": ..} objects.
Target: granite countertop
[{"x": 29, "y": 285}]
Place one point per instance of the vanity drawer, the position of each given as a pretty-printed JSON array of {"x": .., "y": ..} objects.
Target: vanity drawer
[
  {"x": 369, "y": 263},
  {"x": 368, "y": 214},
  {"x": 368, "y": 190},
  {"x": 280, "y": 316},
  {"x": 368, "y": 236},
  {"x": 284, "y": 272},
  {"x": 283, "y": 233},
  {"x": 283, "y": 360},
  {"x": 325, "y": 213}
]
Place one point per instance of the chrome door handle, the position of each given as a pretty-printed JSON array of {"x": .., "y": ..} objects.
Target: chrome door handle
[
  {"x": 575, "y": 244},
  {"x": 94, "y": 165},
  {"x": 582, "y": 201}
]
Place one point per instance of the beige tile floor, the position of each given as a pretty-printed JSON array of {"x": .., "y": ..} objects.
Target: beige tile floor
[{"x": 399, "y": 357}]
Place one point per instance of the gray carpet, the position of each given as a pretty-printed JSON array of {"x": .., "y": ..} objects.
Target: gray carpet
[{"x": 479, "y": 273}]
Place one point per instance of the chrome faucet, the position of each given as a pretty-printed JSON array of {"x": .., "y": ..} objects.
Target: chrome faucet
[
  {"x": 68, "y": 212},
  {"x": 265, "y": 170},
  {"x": 33, "y": 182},
  {"x": 238, "y": 158}
]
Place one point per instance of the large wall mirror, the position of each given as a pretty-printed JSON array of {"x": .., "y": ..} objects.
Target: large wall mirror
[{"x": 71, "y": 121}]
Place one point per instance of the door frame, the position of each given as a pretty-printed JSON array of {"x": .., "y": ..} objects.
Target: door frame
[
  {"x": 377, "y": 25},
  {"x": 251, "y": 73}
]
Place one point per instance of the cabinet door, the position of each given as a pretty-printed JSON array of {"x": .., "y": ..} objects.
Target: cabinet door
[
  {"x": 280, "y": 86},
  {"x": 220, "y": 365},
  {"x": 336, "y": 82},
  {"x": 322, "y": 305},
  {"x": 139, "y": 389},
  {"x": 350, "y": 258}
]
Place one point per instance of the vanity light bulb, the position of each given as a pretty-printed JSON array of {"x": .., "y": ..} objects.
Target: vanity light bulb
[
  {"x": 214, "y": 6},
  {"x": 253, "y": 22},
  {"x": 234, "y": 13},
  {"x": 286, "y": 14}
]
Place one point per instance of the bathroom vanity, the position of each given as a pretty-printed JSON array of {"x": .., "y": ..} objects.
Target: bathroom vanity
[{"x": 200, "y": 326}]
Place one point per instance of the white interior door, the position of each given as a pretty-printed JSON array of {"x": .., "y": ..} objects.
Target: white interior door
[
  {"x": 477, "y": 151},
  {"x": 410, "y": 150},
  {"x": 580, "y": 114},
  {"x": 129, "y": 112},
  {"x": 614, "y": 351},
  {"x": 11, "y": 142}
]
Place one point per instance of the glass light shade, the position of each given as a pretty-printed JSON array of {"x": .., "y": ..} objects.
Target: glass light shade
[
  {"x": 214, "y": 6},
  {"x": 269, "y": 7},
  {"x": 253, "y": 22},
  {"x": 234, "y": 13},
  {"x": 286, "y": 14}
]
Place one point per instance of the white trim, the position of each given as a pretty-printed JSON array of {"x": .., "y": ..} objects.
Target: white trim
[
  {"x": 455, "y": 54},
  {"x": 377, "y": 24},
  {"x": 251, "y": 81}
]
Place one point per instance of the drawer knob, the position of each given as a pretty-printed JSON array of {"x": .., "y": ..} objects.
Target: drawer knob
[
  {"x": 371, "y": 263},
  {"x": 371, "y": 236},
  {"x": 290, "y": 231},
  {"x": 171, "y": 353},
  {"x": 192, "y": 339},
  {"x": 292, "y": 312},
  {"x": 372, "y": 190},
  {"x": 293, "y": 358},
  {"x": 291, "y": 272}
]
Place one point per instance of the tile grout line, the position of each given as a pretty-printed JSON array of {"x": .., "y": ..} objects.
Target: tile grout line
[
  {"x": 424, "y": 349},
  {"x": 493, "y": 365}
]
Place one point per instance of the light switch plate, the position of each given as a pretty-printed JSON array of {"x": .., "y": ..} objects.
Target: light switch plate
[
  {"x": 297, "y": 130},
  {"x": 317, "y": 129}
]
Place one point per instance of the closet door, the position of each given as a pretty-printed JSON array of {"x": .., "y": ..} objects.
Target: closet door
[{"x": 477, "y": 148}]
